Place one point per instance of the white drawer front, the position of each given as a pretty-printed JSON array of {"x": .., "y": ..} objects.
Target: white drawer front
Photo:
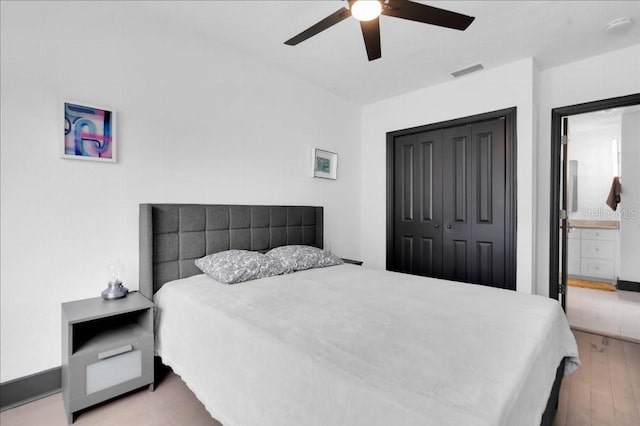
[
  {"x": 596, "y": 249},
  {"x": 597, "y": 268},
  {"x": 113, "y": 371},
  {"x": 574, "y": 233},
  {"x": 573, "y": 257},
  {"x": 598, "y": 234}
]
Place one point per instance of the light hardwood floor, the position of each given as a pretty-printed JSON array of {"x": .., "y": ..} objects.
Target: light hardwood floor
[
  {"x": 172, "y": 403},
  {"x": 606, "y": 388},
  {"x": 604, "y": 391}
]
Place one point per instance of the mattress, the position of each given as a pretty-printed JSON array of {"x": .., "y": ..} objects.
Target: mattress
[{"x": 346, "y": 345}]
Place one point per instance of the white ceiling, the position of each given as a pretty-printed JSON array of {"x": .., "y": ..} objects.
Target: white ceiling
[{"x": 414, "y": 55}]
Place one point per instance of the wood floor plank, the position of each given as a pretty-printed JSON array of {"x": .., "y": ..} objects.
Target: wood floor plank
[
  {"x": 632, "y": 357},
  {"x": 602, "y": 407},
  {"x": 624, "y": 402},
  {"x": 623, "y": 419},
  {"x": 579, "y": 401},
  {"x": 599, "y": 370},
  {"x": 578, "y": 416}
]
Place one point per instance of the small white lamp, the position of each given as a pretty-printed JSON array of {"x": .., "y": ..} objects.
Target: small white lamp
[{"x": 115, "y": 289}]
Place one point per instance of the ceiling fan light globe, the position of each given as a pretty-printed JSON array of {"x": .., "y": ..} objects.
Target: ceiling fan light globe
[{"x": 366, "y": 10}]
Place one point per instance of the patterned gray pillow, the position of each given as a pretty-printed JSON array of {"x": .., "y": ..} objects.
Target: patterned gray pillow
[
  {"x": 236, "y": 266},
  {"x": 299, "y": 258}
]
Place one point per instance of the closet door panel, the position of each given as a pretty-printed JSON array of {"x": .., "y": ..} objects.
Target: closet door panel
[
  {"x": 406, "y": 253},
  {"x": 484, "y": 181},
  {"x": 456, "y": 199},
  {"x": 487, "y": 205},
  {"x": 417, "y": 212},
  {"x": 485, "y": 263},
  {"x": 430, "y": 199},
  {"x": 428, "y": 256},
  {"x": 404, "y": 206},
  {"x": 460, "y": 261},
  {"x": 458, "y": 164}
]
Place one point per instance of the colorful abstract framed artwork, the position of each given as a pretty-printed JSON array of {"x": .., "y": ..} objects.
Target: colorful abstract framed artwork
[
  {"x": 89, "y": 132},
  {"x": 325, "y": 164}
]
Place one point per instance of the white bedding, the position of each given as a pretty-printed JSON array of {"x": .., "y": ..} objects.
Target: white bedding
[{"x": 346, "y": 345}]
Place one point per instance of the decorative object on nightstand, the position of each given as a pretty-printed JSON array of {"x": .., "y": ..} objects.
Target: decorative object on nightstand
[
  {"x": 107, "y": 349},
  {"x": 115, "y": 289}
]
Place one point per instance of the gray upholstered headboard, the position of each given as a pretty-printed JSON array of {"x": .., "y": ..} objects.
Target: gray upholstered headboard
[{"x": 172, "y": 236}]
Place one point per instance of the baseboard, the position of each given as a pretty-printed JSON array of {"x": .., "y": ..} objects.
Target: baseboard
[
  {"x": 30, "y": 388},
  {"x": 628, "y": 285}
]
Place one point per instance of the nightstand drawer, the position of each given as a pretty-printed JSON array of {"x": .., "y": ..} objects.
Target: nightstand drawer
[
  {"x": 99, "y": 379},
  {"x": 113, "y": 370},
  {"x": 597, "y": 249}
]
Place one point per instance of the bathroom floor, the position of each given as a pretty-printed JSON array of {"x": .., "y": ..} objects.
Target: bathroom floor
[{"x": 610, "y": 312}]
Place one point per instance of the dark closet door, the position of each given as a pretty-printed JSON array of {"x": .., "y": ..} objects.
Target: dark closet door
[
  {"x": 457, "y": 188},
  {"x": 417, "y": 231},
  {"x": 449, "y": 213},
  {"x": 474, "y": 203}
]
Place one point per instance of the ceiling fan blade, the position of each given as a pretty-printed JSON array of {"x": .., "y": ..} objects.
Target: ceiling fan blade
[
  {"x": 412, "y": 11},
  {"x": 327, "y": 22},
  {"x": 371, "y": 34}
]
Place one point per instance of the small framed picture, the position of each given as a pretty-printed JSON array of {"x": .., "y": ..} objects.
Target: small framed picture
[
  {"x": 89, "y": 132},
  {"x": 325, "y": 164}
]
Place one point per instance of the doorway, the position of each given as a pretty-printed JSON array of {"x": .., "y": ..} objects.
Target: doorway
[
  {"x": 591, "y": 230},
  {"x": 451, "y": 200}
]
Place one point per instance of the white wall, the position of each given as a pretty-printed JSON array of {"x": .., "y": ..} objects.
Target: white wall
[
  {"x": 613, "y": 74},
  {"x": 630, "y": 198},
  {"x": 592, "y": 150},
  {"x": 196, "y": 123},
  {"x": 504, "y": 87}
]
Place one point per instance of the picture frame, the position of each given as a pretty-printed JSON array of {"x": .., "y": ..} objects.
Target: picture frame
[
  {"x": 89, "y": 132},
  {"x": 324, "y": 164}
]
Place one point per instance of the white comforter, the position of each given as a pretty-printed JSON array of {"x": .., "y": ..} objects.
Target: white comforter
[{"x": 347, "y": 345}]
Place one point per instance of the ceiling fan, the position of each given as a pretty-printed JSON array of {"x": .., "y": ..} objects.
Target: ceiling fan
[{"x": 368, "y": 13}]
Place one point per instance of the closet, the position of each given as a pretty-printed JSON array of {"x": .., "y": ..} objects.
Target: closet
[{"x": 451, "y": 200}]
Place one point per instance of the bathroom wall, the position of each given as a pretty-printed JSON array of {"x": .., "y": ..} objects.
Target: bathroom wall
[
  {"x": 590, "y": 145},
  {"x": 630, "y": 198}
]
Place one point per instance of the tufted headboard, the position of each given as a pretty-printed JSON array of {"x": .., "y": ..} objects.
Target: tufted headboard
[{"x": 172, "y": 236}]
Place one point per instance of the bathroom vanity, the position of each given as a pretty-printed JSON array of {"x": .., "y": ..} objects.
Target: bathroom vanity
[{"x": 593, "y": 249}]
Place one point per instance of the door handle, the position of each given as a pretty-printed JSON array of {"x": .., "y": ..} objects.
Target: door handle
[
  {"x": 437, "y": 225},
  {"x": 448, "y": 226}
]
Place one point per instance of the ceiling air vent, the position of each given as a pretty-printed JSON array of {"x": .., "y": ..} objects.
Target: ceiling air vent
[{"x": 467, "y": 70}]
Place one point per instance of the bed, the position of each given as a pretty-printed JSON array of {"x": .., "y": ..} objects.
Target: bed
[{"x": 342, "y": 345}]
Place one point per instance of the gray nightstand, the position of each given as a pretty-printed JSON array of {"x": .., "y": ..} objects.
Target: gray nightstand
[{"x": 107, "y": 349}]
